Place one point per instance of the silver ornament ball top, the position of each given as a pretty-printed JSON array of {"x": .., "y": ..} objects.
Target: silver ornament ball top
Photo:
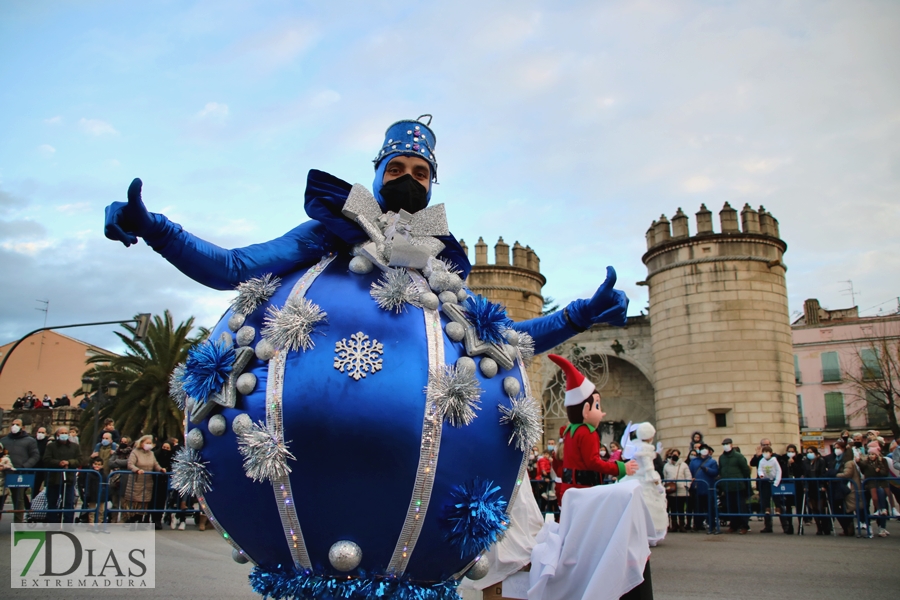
[{"x": 345, "y": 555}]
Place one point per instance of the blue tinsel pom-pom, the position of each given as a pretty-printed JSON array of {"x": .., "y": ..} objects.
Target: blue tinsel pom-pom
[
  {"x": 489, "y": 319},
  {"x": 476, "y": 516},
  {"x": 280, "y": 584},
  {"x": 207, "y": 368}
]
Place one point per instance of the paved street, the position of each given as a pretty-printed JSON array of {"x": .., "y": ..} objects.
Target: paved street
[{"x": 198, "y": 565}]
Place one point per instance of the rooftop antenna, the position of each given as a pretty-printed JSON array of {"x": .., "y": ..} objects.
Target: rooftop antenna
[
  {"x": 46, "y": 311},
  {"x": 850, "y": 291}
]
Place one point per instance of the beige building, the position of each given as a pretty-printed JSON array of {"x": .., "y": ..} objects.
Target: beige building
[
  {"x": 715, "y": 352},
  {"x": 46, "y": 363}
]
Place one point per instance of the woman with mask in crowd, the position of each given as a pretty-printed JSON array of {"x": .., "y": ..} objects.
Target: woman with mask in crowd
[
  {"x": 791, "y": 470},
  {"x": 874, "y": 468},
  {"x": 677, "y": 480},
  {"x": 692, "y": 493},
  {"x": 118, "y": 461},
  {"x": 844, "y": 492},
  {"x": 816, "y": 490},
  {"x": 139, "y": 491}
]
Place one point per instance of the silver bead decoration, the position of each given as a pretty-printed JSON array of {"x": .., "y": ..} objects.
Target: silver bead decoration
[
  {"x": 455, "y": 331},
  {"x": 265, "y": 350},
  {"x": 461, "y": 296},
  {"x": 217, "y": 425},
  {"x": 194, "y": 439},
  {"x": 447, "y": 298},
  {"x": 241, "y": 424},
  {"x": 488, "y": 367},
  {"x": 240, "y": 558},
  {"x": 512, "y": 337},
  {"x": 464, "y": 363},
  {"x": 246, "y": 383},
  {"x": 360, "y": 265},
  {"x": 245, "y": 335},
  {"x": 429, "y": 300},
  {"x": 442, "y": 281},
  {"x": 236, "y": 321},
  {"x": 511, "y": 352},
  {"x": 479, "y": 569},
  {"x": 345, "y": 555},
  {"x": 511, "y": 386}
]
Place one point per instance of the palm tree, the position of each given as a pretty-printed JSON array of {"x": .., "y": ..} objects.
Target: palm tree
[{"x": 143, "y": 405}]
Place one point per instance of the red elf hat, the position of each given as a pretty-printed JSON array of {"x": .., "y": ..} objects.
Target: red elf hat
[{"x": 578, "y": 387}]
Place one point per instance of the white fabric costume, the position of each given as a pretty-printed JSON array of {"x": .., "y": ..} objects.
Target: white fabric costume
[{"x": 651, "y": 484}]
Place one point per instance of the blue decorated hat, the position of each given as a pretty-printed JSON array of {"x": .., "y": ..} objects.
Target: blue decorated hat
[{"x": 410, "y": 138}]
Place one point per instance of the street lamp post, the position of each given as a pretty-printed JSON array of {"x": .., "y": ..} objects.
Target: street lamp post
[{"x": 112, "y": 388}]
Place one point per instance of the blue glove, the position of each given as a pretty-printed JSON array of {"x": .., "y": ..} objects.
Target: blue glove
[
  {"x": 607, "y": 306},
  {"x": 126, "y": 221}
]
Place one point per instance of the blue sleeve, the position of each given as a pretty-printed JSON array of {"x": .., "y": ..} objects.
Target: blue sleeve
[
  {"x": 713, "y": 469},
  {"x": 223, "y": 269},
  {"x": 548, "y": 332}
]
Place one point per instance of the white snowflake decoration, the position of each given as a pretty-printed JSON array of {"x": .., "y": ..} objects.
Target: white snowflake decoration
[{"x": 358, "y": 356}]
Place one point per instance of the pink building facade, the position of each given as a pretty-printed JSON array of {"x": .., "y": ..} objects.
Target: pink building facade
[{"x": 833, "y": 351}]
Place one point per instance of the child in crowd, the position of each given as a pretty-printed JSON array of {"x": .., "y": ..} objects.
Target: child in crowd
[
  {"x": 769, "y": 473},
  {"x": 94, "y": 488}
]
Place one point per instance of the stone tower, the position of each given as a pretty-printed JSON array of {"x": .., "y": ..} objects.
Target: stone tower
[
  {"x": 720, "y": 330},
  {"x": 516, "y": 285}
]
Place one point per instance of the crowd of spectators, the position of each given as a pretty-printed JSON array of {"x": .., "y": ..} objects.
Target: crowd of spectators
[
  {"x": 30, "y": 401},
  {"x": 117, "y": 480},
  {"x": 854, "y": 486}
]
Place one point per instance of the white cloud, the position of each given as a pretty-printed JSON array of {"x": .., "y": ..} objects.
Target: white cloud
[
  {"x": 214, "y": 110},
  {"x": 57, "y": 120},
  {"x": 696, "y": 184},
  {"x": 27, "y": 248},
  {"x": 46, "y": 150},
  {"x": 325, "y": 98},
  {"x": 76, "y": 207},
  {"x": 97, "y": 127}
]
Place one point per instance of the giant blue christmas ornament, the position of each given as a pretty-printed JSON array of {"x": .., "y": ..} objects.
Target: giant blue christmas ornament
[{"x": 357, "y": 419}]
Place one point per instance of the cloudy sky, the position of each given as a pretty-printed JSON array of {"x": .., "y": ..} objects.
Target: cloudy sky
[{"x": 566, "y": 126}]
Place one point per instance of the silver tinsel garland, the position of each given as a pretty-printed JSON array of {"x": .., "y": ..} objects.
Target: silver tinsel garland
[
  {"x": 265, "y": 456},
  {"x": 394, "y": 290},
  {"x": 176, "y": 386},
  {"x": 254, "y": 292},
  {"x": 525, "y": 416},
  {"x": 526, "y": 346},
  {"x": 456, "y": 393},
  {"x": 190, "y": 476},
  {"x": 291, "y": 327}
]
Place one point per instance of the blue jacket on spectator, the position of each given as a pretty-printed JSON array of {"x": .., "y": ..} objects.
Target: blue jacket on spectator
[{"x": 704, "y": 470}]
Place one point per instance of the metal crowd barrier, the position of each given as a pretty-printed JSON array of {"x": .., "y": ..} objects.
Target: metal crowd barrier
[
  {"x": 869, "y": 515},
  {"x": 697, "y": 488},
  {"x": 24, "y": 479}
]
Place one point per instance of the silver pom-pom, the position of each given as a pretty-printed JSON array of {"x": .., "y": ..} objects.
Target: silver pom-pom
[
  {"x": 190, "y": 476},
  {"x": 245, "y": 335},
  {"x": 239, "y": 557},
  {"x": 246, "y": 383},
  {"x": 194, "y": 439},
  {"x": 394, "y": 290},
  {"x": 291, "y": 327},
  {"x": 488, "y": 366},
  {"x": 525, "y": 416},
  {"x": 176, "y": 386},
  {"x": 265, "y": 456},
  {"x": 526, "y": 346},
  {"x": 265, "y": 350},
  {"x": 254, "y": 292},
  {"x": 345, "y": 555},
  {"x": 479, "y": 569},
  {"x": 241, "y": 424},
  {"x": 217, "y": 425},
  {"x": 442, "y": 281},
  {"x": 456, "y": 393}
]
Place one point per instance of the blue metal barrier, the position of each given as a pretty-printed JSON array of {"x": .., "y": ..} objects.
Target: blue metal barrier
[
  {"x": 868, "y": 503},
  {"x": 696, "y": 489},
  {"x": 148, "y": 496},
  {"x": 62, "y": 491}
]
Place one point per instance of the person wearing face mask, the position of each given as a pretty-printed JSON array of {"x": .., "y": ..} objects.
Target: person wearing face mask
[
  {"x": 768, "y": 472},
  {"x": 405, "y": 171},
  {"x": 23, "y": 453},
  {"x": 61, "y": 454},
  {"x": 874, "y": 469},
  {"x": 705, "y": 471},
  {"x": 139, "y": 491},
  {"x": 677, "y": 479},
  {"x": 42, "y": 441},
  {"x": 733, "y": 465},
  {"x": 161, "y": 483},
  {"x": 843, "y": 493},
  {"x": 118, "y": 482},
  {"x": 105, "y": 450},
  {"x": 816, "y": 491},
  {"x": 791, "y": 469}
]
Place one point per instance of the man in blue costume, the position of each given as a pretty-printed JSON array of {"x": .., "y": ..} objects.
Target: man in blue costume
[{"x": 405, "y": 168}]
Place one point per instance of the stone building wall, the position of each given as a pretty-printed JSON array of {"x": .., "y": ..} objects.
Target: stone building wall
[{"x": 720, "y": 329}]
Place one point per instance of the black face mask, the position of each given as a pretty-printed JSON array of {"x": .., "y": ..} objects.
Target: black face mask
[{"x": 404, "y": 193}]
